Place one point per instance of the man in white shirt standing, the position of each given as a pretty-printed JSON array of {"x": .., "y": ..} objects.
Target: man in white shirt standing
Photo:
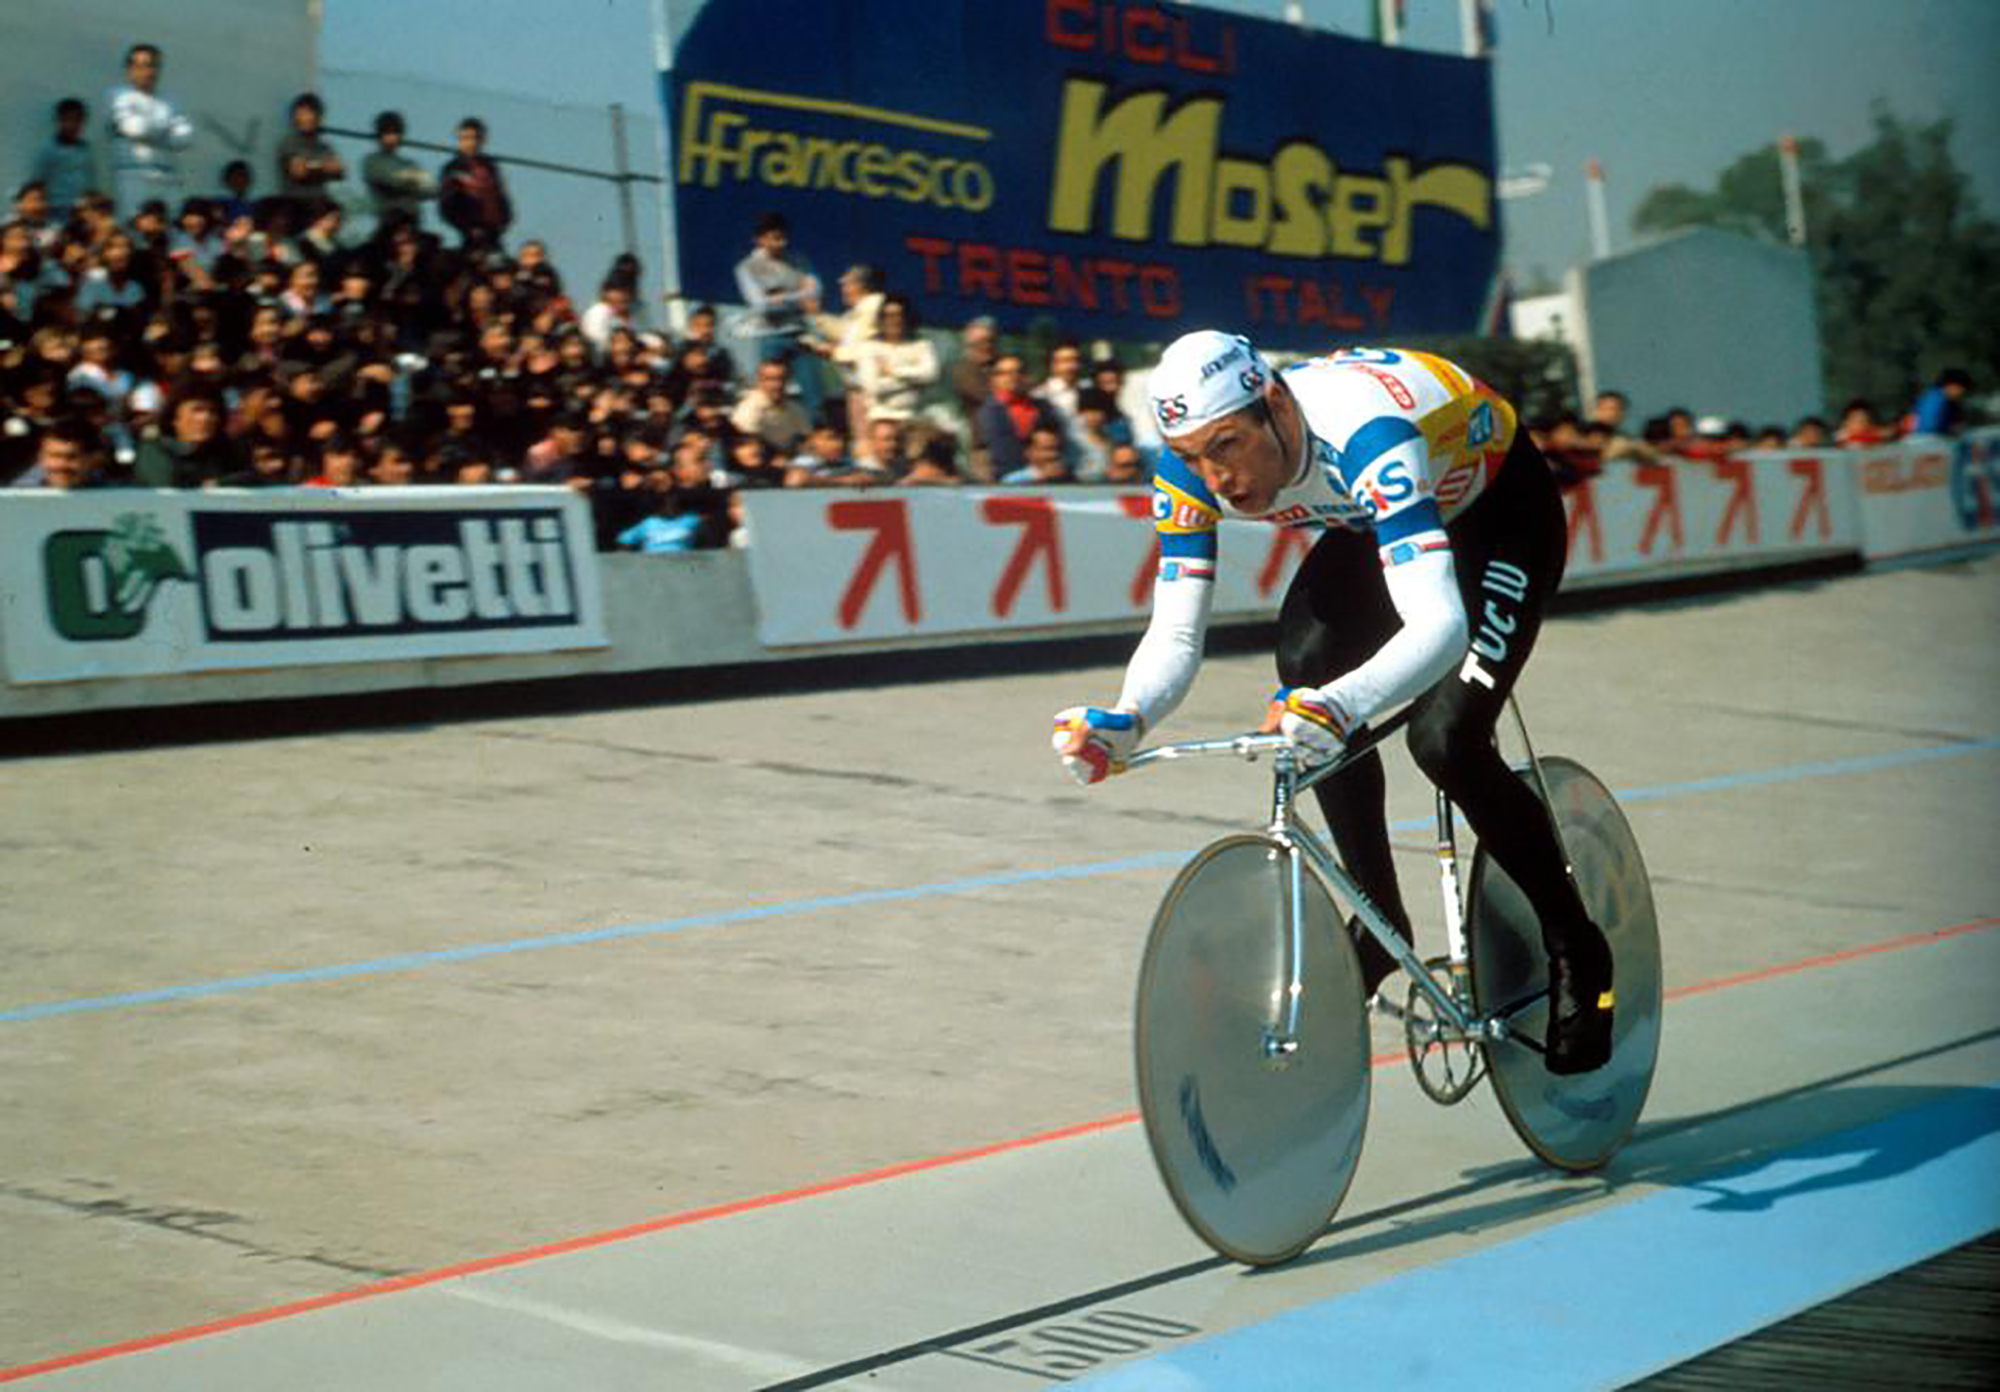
[{"x": 146, "y": 131}]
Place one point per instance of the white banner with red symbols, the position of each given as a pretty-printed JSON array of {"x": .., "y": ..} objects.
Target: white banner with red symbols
[
  {"x": 1928, "y": 493},
  {"x": 1689, "y": 516},
  {"x": 912, "y": 562},
  {"x": 894, "y": 563}
]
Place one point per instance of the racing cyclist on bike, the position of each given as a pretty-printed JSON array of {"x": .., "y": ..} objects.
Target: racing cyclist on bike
[{"x": 1442, "y": 537}]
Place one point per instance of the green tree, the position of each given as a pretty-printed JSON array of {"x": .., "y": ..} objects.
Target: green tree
[{"x": 1907, "y": 268}]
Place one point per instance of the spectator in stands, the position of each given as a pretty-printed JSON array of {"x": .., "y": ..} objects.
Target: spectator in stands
[
  {"x": 393, "y": 467},
  {"x": 1571, "y": 453},
  {"x": 1133, "y": 408},
  {"x": 31, "y": 215},
  {"x": 271, "y": 466},
  {"x": 751, "y": 465},
  {"x": 782, "y": 294},
  {"x": 302, "y": 298},
  {"x": 472, "y": 195},
  {"x": 560, "y": 455},
  {"x": 887, "y": 448},
  {"x": 397, "y": 185},
  {"x": 1128, "y": 466},
  {"x": 825, "y": 462},
  {"x": 1714, "y": 438},
  {"x": 307, "y": 163},
  {"x": 98, "y": 368},
  {"x": 30, "y": 405},
  {"x": 1009, "y": 414},
  {"x": 1858, "y": 425},
  {"x": 342, "y": 464},
  {"x": 1045, "y": 461},
  {"x": 1940, "y": 410},
  {"x": 145, "y": 131},
  {"x": 1810, "y": 433},
  {"x": 840, "y": 337},
  {"x": 194, "y": 245},
  {"x": 24, "y": 274},
  {"x": 765, "y": 410},
  {"x": 1609, "y": 409},
  {"x": 319, "y": 239},
  {"x": 1060, "y": 390},
  {"x": 893, "y": 369},
  {"x": 700, "y": 360},
  {"x": 313, "y": 409},
  {"x": 534, "y": 272},
  {"x": 933, "y": 463},
  {"x": 1101, "y": 428},
  {"x": 1769, "y": 437},
  {"x": 237, "y": 181},
  {"x": 194, "y": 453},
  {"x": 112, "y": 282},
  {"x": 682, "y": 516},
  {"x": 612, "y": 310},
  {"x": 977, "y": 343},
  {"x": 67, "y": 165},
  {"x": 65, "y": 458}
]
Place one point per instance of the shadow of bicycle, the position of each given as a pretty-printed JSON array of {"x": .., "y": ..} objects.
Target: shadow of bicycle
[{"x": 1750, "y": 1157}]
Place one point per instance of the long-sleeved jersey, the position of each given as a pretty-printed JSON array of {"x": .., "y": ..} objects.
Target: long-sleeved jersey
[{"x": 1397, "y": 443}]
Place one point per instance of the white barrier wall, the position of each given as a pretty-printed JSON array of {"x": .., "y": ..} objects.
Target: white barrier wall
[
  {"x": 1693, "y": 517},
  {"x": 919, "y": 562},
  {"x": 839, "y": 572},
  {"x": 1927, "y": 494}
]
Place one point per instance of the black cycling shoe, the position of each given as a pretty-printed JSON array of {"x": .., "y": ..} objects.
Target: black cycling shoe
[
  {"x": 1580, "y": 1005},
  {"x": 1377, "y": 966}
]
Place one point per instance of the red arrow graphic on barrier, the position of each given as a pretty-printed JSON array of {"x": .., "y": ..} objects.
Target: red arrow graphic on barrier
[
  {"x": 1138, "y": 506},
  {"x": 1812, "y": 499},
  {"x": 1286, "y": 541},
  {"x": 1037, "y": 519},
  {"x": 889, "y": 519},
  {"x": 1666, "y": 509},
  {"x": 1742, "y": 500},
  {"x": 1582, "y": 501}
]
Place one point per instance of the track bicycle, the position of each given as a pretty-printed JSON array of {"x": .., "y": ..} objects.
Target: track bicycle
[{"x": 1251, "y": 1033}]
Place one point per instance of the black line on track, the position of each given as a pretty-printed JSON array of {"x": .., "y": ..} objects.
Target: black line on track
[{"x": 949, "y": 1341}]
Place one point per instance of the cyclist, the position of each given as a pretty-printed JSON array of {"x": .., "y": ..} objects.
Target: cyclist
[{"x": 1442, "y": 537}]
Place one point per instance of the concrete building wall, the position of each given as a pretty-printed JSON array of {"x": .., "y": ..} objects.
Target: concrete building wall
[
  {"x": 232, "y": 66},
  {"x": 1716, "y": 322}
]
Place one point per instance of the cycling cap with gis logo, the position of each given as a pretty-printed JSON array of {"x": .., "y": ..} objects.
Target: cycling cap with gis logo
[{"x": 1203, "y": 376}]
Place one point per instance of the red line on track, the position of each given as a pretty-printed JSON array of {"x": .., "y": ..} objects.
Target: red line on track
[{"x": 830, "y": 1186}]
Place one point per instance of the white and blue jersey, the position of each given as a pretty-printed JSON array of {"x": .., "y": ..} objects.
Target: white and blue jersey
[{"x": 1398, "y": 444}]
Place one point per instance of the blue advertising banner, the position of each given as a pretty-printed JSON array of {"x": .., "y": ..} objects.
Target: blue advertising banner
[{"x": 1126, "y": 169}]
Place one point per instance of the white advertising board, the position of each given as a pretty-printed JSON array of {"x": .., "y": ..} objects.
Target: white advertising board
[
  {"x": 831, "y": 567},
  {"x": 1686, "y": 516},
  {"x": 1928, "y": 493},
  {"x": 129, "y": 582}
]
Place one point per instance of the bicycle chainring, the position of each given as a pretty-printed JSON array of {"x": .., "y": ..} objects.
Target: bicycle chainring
[{"x": 1448, "y": 1063}]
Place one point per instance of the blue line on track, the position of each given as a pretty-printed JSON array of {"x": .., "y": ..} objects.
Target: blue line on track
[
  {"x": 414, "y": 960},
  {"x": 1605, "y": 1299}
]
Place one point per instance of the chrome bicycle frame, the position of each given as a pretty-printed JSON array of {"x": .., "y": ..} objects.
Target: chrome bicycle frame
[{"x": 1291, "y": 776}]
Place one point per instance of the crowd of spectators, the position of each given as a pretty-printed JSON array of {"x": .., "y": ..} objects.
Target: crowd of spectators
[
  {"x": 245, "y": 336},
  {"x": 1580, "y": 447},
  {"x": 233, "y": 338}
]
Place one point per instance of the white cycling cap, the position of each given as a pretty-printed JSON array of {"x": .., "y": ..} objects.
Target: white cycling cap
[{"x": 1203, "y": 376}]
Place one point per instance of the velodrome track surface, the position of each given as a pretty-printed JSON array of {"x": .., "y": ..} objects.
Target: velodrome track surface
[{"x": 785, "y": 1042}]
